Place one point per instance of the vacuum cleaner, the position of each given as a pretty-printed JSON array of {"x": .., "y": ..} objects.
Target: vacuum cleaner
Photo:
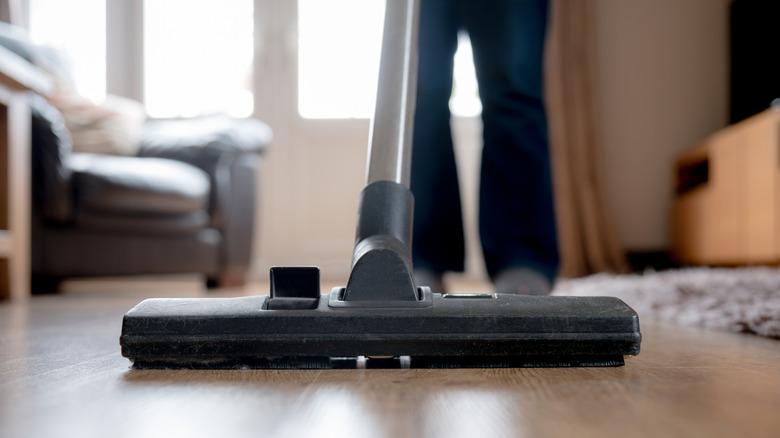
[{"x": 381, "y": 318}]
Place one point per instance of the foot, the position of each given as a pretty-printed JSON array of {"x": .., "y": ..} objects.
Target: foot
[
  {"x": 427, "y": 277},
  {"x": 522, "y": 281}
]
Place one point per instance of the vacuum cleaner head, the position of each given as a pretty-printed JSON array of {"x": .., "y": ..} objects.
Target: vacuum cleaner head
[
  {"x": 296, "y": 329},
  {"x": 380, "y": 319}
]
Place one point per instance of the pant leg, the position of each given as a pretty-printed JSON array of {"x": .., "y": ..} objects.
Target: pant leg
[
  {"x": 516, "y": 217},
  {"x": 438, "y": 227}
]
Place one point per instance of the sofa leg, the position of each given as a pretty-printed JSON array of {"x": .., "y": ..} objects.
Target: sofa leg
[
  {"x": 212, "y": 283},
  {"x": 44, "y": 284},
  {"x": 232, "y": 279}
]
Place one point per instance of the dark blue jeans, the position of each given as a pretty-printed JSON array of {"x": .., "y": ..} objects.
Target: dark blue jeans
[{"x": 516, "y": 215}]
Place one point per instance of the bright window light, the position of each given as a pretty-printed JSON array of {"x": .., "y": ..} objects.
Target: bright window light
[
  {"x": 339, "y": 45},
  {"x": 465, "y": 93},
  {"x": 77, "y": 30},
  {"x": 198, "y": 57},
  {"x": 339, "y": 42}
]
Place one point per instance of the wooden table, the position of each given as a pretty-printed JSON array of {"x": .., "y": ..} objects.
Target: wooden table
[
  {"x": 61, "y": 375},
  {"x": 17, "y": 78}
]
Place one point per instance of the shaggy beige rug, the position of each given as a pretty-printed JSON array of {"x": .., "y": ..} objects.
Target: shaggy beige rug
[{"x": 743, "y": 300}]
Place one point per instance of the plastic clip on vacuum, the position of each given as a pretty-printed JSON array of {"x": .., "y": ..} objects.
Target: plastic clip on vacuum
[{"x": 380, "y": 318}]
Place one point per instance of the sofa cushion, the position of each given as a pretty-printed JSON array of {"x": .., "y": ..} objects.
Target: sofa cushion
[
  {"x": 164, "y": 224},
  {"x": 138, "y": 186}
]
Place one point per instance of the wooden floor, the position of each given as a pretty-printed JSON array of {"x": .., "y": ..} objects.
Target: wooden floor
[{"x": 61, "y": 375}]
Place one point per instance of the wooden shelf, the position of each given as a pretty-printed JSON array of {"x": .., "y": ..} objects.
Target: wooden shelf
[
  {"x": 17, "y": 78},
  {"x": 726, "y": 211}
]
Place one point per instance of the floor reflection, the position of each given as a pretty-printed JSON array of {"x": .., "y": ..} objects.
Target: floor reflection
[{"x": 471, "y": 413}]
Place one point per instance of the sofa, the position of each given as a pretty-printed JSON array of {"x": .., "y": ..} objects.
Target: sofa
[{"x": 184, "y": 203}]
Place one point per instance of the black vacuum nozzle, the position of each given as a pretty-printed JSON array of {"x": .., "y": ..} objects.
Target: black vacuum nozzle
[{"x": 470, "y": 330}]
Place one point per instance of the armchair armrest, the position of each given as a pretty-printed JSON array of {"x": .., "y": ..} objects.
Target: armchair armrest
[
  {"x": 51, "y": 175},
  {"x": 212, "y": 144},
  {"x": 196, "y": 140},
  {"x": 228, "y": 150}
]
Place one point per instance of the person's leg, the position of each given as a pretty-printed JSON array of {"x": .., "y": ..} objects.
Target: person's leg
[
  {"x": 438, "y": 229},
  {"x": 516, "y": 218}
]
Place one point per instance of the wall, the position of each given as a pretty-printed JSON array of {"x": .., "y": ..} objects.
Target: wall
[{"x": 661, "y": 86}]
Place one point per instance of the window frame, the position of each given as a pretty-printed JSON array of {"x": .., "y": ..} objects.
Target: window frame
[
  {"x": 125, "y": 53},
  {"x": 125, "y": 47}
]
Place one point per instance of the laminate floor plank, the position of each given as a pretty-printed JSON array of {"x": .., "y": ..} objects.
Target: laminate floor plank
[{"x": 61, "y": 374}]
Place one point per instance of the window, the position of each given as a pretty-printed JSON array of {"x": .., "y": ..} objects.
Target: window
[
  {"x": 339, "y": 45},
  {"x": 465, "y": 93},
  {"x": 198, "y": 57},
  {"x": 77, "y": 30}
]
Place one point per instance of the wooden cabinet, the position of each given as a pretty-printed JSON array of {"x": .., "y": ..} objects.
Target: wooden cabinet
[
  {"x": 17, "y": 79},
  {"x": 727, "y": 206}
]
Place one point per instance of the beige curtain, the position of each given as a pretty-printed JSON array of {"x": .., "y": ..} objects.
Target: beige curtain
[{"x": 587, "y": 238}]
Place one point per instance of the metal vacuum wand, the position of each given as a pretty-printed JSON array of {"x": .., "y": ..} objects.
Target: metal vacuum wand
[
  {"x": 390, "y": 142},
  {"x": 382, "y": 258}
]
